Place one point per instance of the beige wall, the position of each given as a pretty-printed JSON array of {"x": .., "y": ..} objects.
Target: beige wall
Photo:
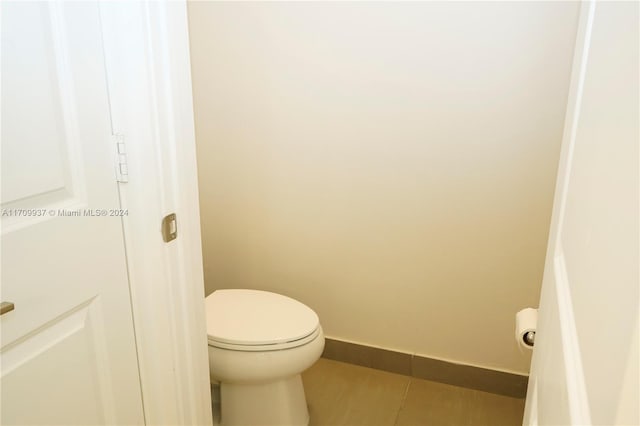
[{"x": 390, "y": 165}]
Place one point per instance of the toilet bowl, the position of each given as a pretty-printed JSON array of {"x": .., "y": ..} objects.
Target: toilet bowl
[{"x": 259, "y": 343}]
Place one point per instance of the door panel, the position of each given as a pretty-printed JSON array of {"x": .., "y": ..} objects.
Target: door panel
[
  {"x": 589, "y": 305},
  {"x": 68, "y": 349},
  {"x": 37, "y": 110},
  {"x": 71, "y": 344},
  {"x": 599, "y": 235}
]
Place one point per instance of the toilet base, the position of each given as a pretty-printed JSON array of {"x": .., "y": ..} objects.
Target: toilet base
[{"x": 277, "y": 403}]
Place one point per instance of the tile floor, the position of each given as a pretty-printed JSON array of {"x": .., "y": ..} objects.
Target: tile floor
[{"x": 346, "y": 394}]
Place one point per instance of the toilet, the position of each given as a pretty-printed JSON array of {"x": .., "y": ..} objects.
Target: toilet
[{"x": 259, "y": 344}]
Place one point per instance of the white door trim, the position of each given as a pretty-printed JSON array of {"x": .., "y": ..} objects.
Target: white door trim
[
  {"x": 148, "y": 68},
  {"x": 576, "y": 389},
  {"x": 554, "y": 263},
  {"x": 562, "y": 381}
]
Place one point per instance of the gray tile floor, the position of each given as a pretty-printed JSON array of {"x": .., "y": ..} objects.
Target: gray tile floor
[{"x": 346, "y": 394}]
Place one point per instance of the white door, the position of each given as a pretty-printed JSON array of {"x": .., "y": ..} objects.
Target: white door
[
  {"x": 67, "y": 349},
  {"x": 585, "y": 360}
]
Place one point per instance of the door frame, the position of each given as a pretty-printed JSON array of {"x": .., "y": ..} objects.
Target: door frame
[
  {"x": 149, "y": 77},
  {"x": 558, "y": 370},
  {"x": 559, "y": 295}
]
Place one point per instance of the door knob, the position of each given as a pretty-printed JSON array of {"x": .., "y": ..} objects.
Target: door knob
[{"x": 6, "y": 307}]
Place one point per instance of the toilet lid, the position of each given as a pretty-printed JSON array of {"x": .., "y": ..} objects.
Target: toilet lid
[{"x": 253, "y": 317}]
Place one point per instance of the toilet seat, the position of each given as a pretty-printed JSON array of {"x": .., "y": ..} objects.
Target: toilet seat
[
  {"x": 264, "y": 348},
  {"x": 254, "y": 320}
]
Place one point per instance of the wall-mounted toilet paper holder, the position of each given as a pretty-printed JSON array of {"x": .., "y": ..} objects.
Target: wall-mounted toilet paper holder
[
  {"x": 526, "y": 323},
  {"x": 529, "y": 338}
]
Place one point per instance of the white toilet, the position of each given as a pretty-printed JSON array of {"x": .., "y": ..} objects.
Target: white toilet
[{"x": 259, "y": 343}]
